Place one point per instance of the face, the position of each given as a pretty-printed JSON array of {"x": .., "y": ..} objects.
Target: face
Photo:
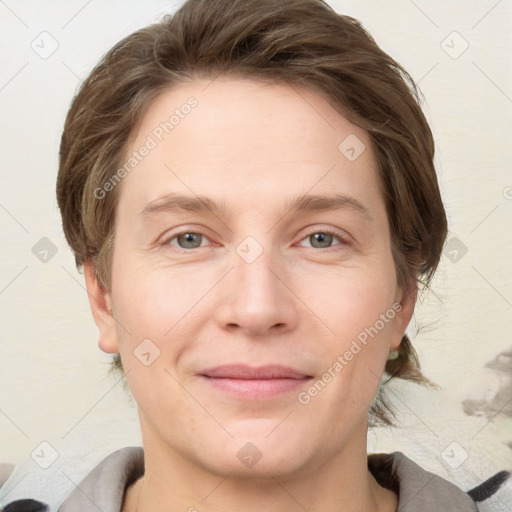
[{"x": 258, "y": 325}]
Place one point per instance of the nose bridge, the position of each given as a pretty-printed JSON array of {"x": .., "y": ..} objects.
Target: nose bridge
[{"x": 256, "y": 267}]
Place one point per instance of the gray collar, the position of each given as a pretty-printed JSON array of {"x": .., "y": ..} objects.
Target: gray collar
[{"x": 418, "y": 490}]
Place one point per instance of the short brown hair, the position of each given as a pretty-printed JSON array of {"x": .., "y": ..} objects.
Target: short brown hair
[{"x": 283, "y": 41}]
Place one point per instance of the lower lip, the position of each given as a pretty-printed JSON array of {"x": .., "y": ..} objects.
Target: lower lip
[{"x": 249, "y": 389}]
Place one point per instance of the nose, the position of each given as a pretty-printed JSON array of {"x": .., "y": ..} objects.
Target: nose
[{"x": 258, "y": 297}]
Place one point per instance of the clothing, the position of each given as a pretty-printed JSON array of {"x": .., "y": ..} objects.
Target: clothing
[{"x": 418, "y": 490}]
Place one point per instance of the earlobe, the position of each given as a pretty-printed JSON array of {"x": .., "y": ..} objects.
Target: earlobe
[
  {"x": 101, "y": 306},
  {"x": 405, "y": 310}
]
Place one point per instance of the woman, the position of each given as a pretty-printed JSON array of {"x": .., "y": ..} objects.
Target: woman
[{"x": 250, "y": 189}]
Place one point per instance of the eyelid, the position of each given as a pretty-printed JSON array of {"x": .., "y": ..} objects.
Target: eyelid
[
  {"x": 180, "y": 229},
  {"x": 166, "y": 239},
  {"x": 343, "y": 238}
]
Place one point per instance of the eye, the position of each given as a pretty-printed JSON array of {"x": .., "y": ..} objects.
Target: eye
[
  {"x": 187, "y": 240},
  {"x": 324, "y": 238},
  {"x": 320, "y": 239}
]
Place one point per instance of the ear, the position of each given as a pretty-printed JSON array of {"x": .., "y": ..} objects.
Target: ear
[
  {"x": 101, "y": 306},
  {"x": 404, "y": 307}
]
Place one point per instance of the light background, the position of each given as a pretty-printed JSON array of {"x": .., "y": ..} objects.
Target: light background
[{"x": 53, "y": 377}]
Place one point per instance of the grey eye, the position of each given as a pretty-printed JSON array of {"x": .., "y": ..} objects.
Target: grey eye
[
  {"x": 189, "y": 240},
  {"x": 321, "y": 240}
]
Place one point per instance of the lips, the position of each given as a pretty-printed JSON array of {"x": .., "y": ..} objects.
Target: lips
[
  {"x": 254, "y": 373},
  {"x": 254, "y": 383}
]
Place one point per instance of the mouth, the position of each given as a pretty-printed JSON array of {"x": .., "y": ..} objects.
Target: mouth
[{"x": 254, "y": 383}]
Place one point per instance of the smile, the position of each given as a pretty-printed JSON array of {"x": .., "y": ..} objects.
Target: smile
[{"x": 254, "y": 383}]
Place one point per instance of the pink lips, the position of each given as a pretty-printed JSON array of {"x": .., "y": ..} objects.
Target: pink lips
[{"x": 254, "y": 383}]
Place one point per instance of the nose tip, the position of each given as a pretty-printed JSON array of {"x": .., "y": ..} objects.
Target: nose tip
[{"x": 255, "y": 299}]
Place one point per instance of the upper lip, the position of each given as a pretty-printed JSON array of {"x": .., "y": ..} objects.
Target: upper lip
[{"x": 241, "y": 371}]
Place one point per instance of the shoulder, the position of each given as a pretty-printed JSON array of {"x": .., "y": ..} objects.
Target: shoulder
[
  {"x": 104, "y": 487},
  {"x": 420, "y": 490}
]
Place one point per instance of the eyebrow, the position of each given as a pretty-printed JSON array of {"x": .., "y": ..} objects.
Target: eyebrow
[{"x": 304, "y": 203}]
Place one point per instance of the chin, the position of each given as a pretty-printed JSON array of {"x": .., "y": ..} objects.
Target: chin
[{"x": 256, "y": 452}]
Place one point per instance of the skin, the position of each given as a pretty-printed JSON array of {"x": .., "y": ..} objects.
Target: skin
[{"x": 254, "y": 147}]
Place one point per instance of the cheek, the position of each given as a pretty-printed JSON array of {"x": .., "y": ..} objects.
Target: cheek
[
  {"x": 149, "y": 295},
  {"x": 151, "y": 306},
  {"x": 357, "y": 307},
  {"x": 348, "y": 300},
  {"x": 161, "y": 310}
]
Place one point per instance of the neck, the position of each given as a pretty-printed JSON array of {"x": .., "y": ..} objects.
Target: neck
[{"x": 341, "y": 483}]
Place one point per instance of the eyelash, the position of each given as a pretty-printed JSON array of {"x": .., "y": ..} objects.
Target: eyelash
[{"x": 343, "y": 241}]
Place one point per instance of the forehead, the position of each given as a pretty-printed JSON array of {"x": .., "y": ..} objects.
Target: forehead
[
  {"x": 260, "y": 111},
  {"x": 245, "y": 141}
]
